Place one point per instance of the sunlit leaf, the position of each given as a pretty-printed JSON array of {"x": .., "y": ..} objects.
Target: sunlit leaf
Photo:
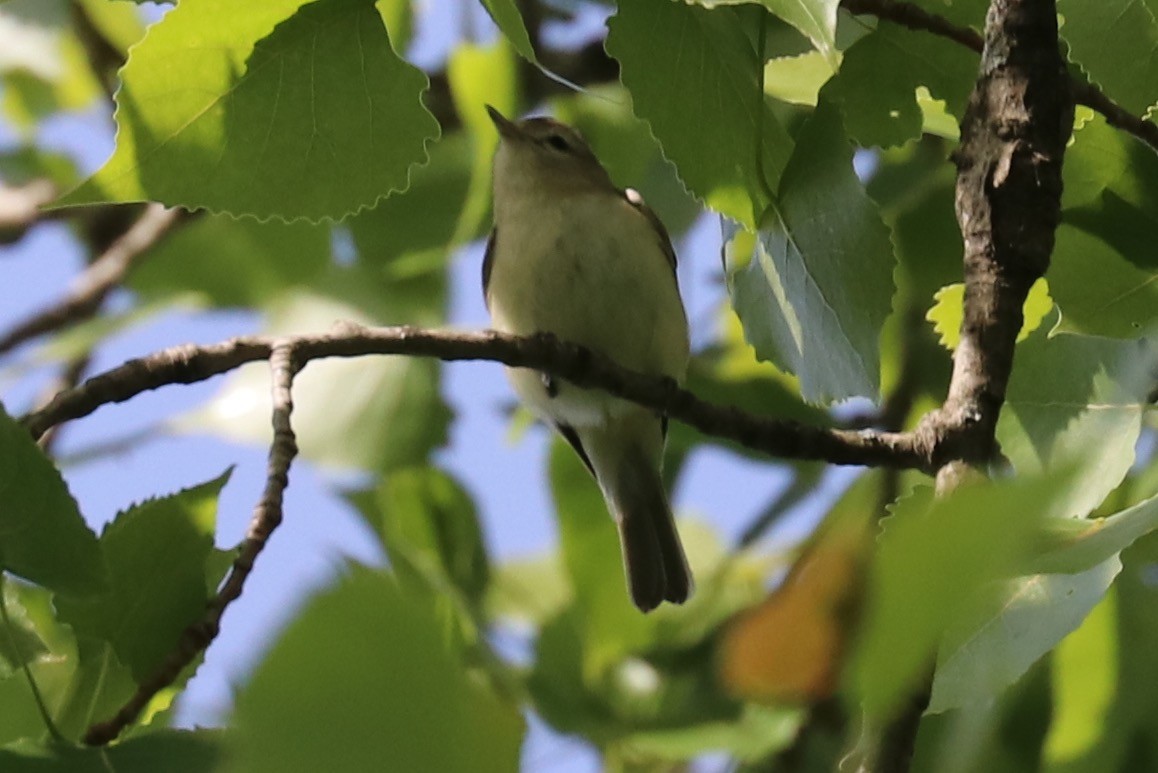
[
  {"x": 816, "y": 293},
  {"x": 478, "y": 77},
  {"x": 1085, "y": 671},
  {"x": 948, "y": 311},
  {"x": 293, "y": 109}
]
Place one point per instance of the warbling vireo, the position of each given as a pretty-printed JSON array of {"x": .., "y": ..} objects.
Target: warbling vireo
[{"x": 573, "y": 255}]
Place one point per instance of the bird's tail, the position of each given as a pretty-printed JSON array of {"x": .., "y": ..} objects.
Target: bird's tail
[{"x": 653, "y": 557}]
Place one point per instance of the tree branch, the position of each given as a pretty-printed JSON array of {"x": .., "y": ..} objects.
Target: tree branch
[
  {"x": 267, "y": 516},
  {"x": 786, "y": 439},
  {"x": 917, "y": 18},
  {"x": 1008, "y": 201},
  {"x": 90, "y": 289}
]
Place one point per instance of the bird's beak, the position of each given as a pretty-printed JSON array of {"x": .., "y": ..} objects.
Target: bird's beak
[{"x": 508, "y": 129}]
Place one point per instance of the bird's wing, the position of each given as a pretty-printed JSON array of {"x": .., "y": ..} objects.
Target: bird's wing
[
  {"x": 571, "y": 436},
  {"x": 636, "y": 200},
  {"x": 488, "y": 265}
]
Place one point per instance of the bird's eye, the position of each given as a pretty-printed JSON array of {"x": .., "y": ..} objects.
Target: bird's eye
[{"x": 557, "y": 142}]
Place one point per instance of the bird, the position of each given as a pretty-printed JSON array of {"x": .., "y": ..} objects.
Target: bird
[{"x": 575, "y": 256}]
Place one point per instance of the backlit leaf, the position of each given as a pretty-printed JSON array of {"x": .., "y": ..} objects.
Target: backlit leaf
[{"x": 292, "y": 109}]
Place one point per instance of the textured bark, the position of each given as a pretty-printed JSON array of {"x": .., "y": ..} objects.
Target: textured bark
[{"x": 1008, "y": 202}]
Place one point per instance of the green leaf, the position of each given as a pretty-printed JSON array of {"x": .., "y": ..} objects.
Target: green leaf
[
  {"x": 557, "y": 684},
  {"x": 19, "y": 641},
  {"x": 914, "y": 187},
  {"x": 715, "y": 375},
  {"x": 22, "y": 164},
  {"x": 506, "y": 16},
  {"x": 1129, "y": 734},
  {"x": 796, "y": 79},
  {"x": 42, "y": 535},
  {"x": 290, "y": 110},
  {"x": 527, "y": 591},
  {"x": 377, "y": 659},
  {"x": 756, "y": 734},
  {"x": 879, "y": 77},
  {"x": 119, "y": 23},
  {"x": 479, "y": 77},
  {"x": 1104, "y": 264},
  {"x": 48, "y": 648},
  {"x": 97, "y": 688},
  {"x": 938, "y": 558},
  {"x": 1099, "y": 156},
  {"x": 44, "y": 69},
  {"x": 428, "y": 526},
  {"x": 157, "y": 553},
  {"x": 1079, "y": 545},
  {"x": 1116, "y": 42},
  {"x": 425, "y": 217},
  {"x": 949, "y": 311},
  {"x": 229, "y": 262},
  {"x": 1104, "y": 270},
  {"x": 1085, "y": 681},
  {"x": 173, "y": 751},
  {"x": 378, "y": 413},
  {"x": 815, "y": 19},
  {"x": 662, "y": 706},
  {"x": 979, "y": 658},
  {"x": 816, "y": 294},
  {"x": 626, "y": 147},
  {"x": 709, "y": 110},
  {"x": 1089, "y": 418}
]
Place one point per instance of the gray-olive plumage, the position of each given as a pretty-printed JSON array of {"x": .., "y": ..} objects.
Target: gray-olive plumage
[{"x": 573, "y": 255}]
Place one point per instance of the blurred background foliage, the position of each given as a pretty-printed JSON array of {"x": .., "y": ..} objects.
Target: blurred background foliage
[{"x": 337, "y": 156}]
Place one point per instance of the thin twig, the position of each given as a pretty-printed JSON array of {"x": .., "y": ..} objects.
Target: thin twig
[
  {"x": 267, "y": 516},
  {"x": 69, "y": 376},
  {"x": 99, "y": 279},
  {"x": 1088, "y": 94},
  {"x": 20, "y": 207},
  {"x": 785, "y": 439}
]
